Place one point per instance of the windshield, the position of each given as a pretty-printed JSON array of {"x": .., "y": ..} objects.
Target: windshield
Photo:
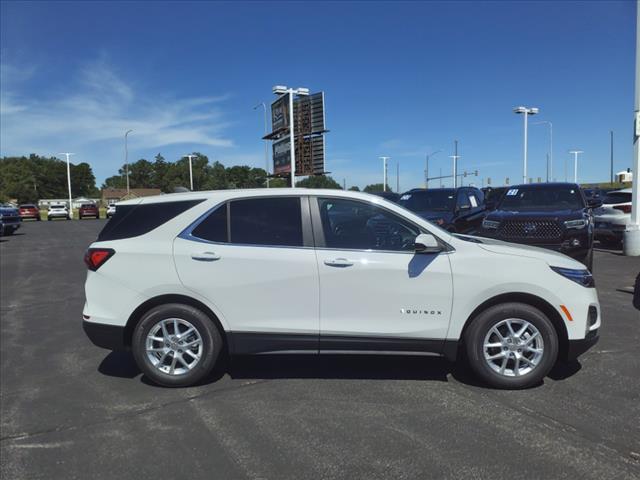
[
  {"x": 429, "y": 200},
  {"x": 542, "y": 198},
  {"x": 617, "y": 197}
]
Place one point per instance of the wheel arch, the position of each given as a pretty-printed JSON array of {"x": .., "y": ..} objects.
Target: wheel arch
[
  {"x": 138, "y": 313},
  {"x": 541, "y": 304}
]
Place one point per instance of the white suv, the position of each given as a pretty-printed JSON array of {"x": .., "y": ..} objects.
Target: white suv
[
  {"x": 58, "y": 211},
  {"x": 202, "y": 274},
  {"x": 612, "y": 218}
]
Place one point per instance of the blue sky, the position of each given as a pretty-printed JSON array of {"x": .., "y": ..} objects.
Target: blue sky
[{"x": 400, "y": 78}]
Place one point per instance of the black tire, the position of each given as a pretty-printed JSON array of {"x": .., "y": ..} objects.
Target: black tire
[
  {"x": 486, "y": 320},
  {"x": 611, "y": 242},
  {"x": 49, "y": 219},
  {"x": 212, "y": 344},
  {"x": 9, "y": 231}
]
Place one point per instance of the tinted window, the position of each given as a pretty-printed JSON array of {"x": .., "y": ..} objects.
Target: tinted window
[
  {"x": 441, "y": 200},
  {"x": 267, "y": 221},
  {"x": 363, "y": 226},
  {"x": 617, "y": 197},
  {"x": 214, "y": 227},
  {"x": 134, "y": 220},
  {"x": 542, "y": 198},
  {"x": 463, "y": 199}
]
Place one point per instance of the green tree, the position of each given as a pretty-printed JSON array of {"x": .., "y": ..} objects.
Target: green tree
[
  {"x": 243, "y": 176},
  {"x": 376, "y": 187},
  {"x": 319, "y": 181},
  {"x": 141, "y": 174},
  {"x": 354, "y": 189}
]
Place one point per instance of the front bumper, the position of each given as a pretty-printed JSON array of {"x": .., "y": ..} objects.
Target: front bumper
[
  {"x": 578, "y": 347},
  {"x": 106, "y": 336}
]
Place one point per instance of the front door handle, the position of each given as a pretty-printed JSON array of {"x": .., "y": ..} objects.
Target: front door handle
[
  {"x": 338, "y": 262},
  {"x": 205, "y": 256}
]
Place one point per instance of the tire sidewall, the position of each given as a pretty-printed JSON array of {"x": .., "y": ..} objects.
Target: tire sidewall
[
  {"x": 474, "y": 340},
  {"x": 211, "y": 341}
]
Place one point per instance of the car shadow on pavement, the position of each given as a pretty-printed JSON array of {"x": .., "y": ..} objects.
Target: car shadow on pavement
[{"x": 347, "y": 367}]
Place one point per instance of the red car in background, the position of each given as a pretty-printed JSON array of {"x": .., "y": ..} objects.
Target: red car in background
[
  {"x": 88, "y": 210},
  {"x": 29, "y": 210}
]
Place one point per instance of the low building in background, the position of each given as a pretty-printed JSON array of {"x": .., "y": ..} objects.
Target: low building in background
[
  {"x": 44, "y": 203},
  {"x": 114, "y": 195}
]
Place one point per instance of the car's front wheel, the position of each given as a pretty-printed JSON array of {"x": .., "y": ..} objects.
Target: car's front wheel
[
  {"x": 176, "y": 345},
  {"x": 511, "y": 345}
]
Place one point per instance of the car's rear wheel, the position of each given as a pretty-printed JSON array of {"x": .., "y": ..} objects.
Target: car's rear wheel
[
  {"x": 511, "y": 345},
  {"x": 176, "y": 345}
]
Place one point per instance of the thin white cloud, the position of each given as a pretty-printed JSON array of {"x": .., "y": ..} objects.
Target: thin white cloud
[{"x": 99, "y": 107}]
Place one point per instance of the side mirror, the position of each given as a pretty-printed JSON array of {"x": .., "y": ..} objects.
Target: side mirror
[
  {"x": 594, "y": 203},
  {"x": 427, "y": 243}
]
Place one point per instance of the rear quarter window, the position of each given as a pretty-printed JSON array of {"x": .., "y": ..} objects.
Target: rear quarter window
[{"x": 135, "y": 220}]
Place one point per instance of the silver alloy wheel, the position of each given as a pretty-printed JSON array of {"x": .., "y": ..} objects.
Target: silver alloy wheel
[
  {"x": 174, "y": 346},
  {"x": 513, "y": 347}
]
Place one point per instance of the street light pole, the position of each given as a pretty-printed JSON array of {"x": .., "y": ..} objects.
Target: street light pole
[
  {"x": 575, "y": 164},
  {"x": 426, "y": 170},
  {"x": 126, "y": 158},
  {"x": 384, "y": 172},
  {"x": 191, "y": 169},
  {"x": 397, "y": 176},
  {"x": 526, "y": 111},
  {"x": 266, "y": 131},
  {"x": 550, "y": 161},
  {"x": 455, "y": 158},
  {"x": 67, "y": 154},
  {"x": 631, "y": 241}
]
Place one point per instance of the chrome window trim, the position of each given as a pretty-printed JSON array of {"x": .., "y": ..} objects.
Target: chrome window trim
[{"x": 307, "y": 233}]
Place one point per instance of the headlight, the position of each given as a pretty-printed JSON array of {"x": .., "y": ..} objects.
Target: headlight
[
  {"x": 582, "y": 277},
  {"x": 575, "y": 223},
  {"x": 490, "y": 224}
]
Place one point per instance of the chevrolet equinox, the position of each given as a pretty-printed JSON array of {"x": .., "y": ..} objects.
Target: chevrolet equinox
[{"x": 201, "y": 275}]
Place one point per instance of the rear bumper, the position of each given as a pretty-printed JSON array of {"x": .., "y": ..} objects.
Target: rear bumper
[
  {"x": 106, "y": 336},
  {"x": 578, "y": 347}
]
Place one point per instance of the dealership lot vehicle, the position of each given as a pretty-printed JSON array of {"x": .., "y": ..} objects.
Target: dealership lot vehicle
[
  {"x": 29, "y": 210},
  {"x": 555, "y": 216},
  {"x": 459, "y": 210},
  {"x": 9, "y": 219},
  {"x": 88, "y": 210},
  {"x": 295, "y": 417},
  {"x": 183, "y": 267},
  {"x": 492, "y": 196},
  {"x": 58, "y": 211},
  {"x": 111, "y": 209},
  {"x": 612, "y": 218}
]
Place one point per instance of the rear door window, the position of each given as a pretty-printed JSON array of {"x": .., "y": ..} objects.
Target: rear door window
[
  {"x": 266, "y": 221},
  {"x": 135, "y": 220},
  {"x": 617, "y": 197}
]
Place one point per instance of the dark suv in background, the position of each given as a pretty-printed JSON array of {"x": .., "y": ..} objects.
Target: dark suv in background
[
  {"x": 458, "y": 210},
  {"x": 551, "y": 215}
]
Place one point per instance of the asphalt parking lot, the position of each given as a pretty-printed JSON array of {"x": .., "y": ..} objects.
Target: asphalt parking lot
[{"x": 72, "y": 410}]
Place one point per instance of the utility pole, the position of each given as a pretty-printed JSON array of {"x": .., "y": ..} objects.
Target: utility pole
[
  {"x": 397, "y": 176},
  {"x": 575, "y": 164},
  {"x": 190, "y": 157},
  {"x": 631, "y": 240},
  {"x": 68, "y": 154},
  {"x": 455, "y": 158},
  {"x": 426, "y": 170},
  {"x": 384, "y": 172},
  {"x": 126, "y": 158},
  {"x": 266, "y": 148},
  {"x": 611, "y": 153}
]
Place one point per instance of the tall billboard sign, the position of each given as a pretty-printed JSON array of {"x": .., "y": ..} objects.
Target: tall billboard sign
[{"x": 309, "y": 129}]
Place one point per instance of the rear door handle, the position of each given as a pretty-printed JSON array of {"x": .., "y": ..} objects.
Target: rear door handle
[
  {"x": 205, "y": 256},
  {"x": 338, "y": 262}
]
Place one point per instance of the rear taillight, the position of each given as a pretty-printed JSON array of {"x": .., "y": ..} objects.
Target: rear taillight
[
  {"x": 96, "y": 257},
  {"x": 623, "y": 208}
]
